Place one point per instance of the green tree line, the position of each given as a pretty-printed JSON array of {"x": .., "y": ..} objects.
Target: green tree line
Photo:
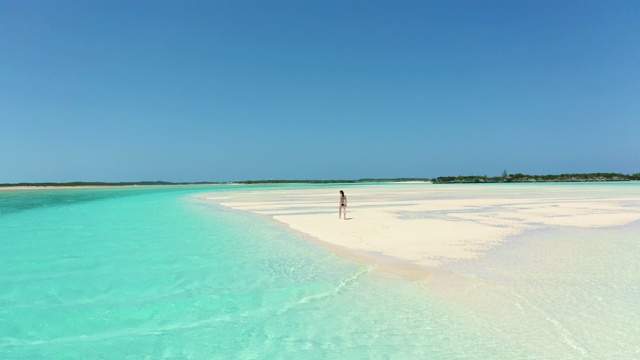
[{"x": 515, "y": 178}]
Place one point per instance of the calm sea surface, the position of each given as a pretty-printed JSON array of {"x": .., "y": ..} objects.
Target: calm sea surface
[{"x": 156, "y": 273}]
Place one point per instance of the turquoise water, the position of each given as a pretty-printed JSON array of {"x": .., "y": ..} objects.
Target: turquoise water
[{"x": 157, "y": 273}]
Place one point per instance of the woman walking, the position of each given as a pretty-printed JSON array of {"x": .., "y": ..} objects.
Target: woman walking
[{"x": 343, "y": 205}]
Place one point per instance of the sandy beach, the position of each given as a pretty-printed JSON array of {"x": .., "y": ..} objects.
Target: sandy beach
[{"x": 425, "y": 225}]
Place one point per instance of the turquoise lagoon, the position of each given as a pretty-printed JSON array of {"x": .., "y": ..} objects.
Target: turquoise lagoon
[{"x": 157, "y": 273}]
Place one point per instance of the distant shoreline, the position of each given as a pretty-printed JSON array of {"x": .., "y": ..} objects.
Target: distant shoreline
[
  {"x": 511, "y": 178},
  {"x": 78, "y": 184},
  {"x": 94, "y": 185}
]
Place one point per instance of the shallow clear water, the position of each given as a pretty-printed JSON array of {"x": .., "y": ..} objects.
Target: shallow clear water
[
  {"x": 157, "y": 273},
  {"x": 561, "y": 293}
]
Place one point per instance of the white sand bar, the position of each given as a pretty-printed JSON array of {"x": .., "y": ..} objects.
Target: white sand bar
[{"x": 428, "y": 225}]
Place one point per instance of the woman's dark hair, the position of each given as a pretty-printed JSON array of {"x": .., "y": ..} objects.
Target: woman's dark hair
[{"x": 342, "y": 192}]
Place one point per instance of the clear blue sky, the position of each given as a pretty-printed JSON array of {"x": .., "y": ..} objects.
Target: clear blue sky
[{"x": 287, "y": 89}]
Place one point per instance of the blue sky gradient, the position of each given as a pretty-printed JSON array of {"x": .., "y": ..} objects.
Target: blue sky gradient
[{"x": 237, "y": 90}]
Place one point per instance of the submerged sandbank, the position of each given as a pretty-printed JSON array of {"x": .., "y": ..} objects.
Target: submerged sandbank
[{"x": 425, "y": 226}]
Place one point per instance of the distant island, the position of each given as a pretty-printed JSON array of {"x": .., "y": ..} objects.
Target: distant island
[
  {"x": 167, "y": 183},
  {"x": 367, "y": 180},
  {"x": 522, "y": 178},
  {"x": 505, "y": 178},
  {"x": 92, "y": 183}
]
